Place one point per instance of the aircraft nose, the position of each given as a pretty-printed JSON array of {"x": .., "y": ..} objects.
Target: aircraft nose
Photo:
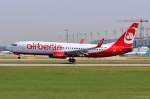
[{"x": 10, "y": 48}]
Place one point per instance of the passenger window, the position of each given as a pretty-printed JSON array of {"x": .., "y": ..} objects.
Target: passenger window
[{"x": 14, "y": 44}]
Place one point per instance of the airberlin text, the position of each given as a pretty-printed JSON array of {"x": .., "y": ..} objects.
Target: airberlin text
[{"x": 39, "y": 46}]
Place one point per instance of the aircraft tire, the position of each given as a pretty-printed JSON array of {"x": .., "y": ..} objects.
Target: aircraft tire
[{"x": 72, "y": 60}]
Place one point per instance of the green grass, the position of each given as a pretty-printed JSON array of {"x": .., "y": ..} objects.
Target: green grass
[{"x": 75, "y": 82}]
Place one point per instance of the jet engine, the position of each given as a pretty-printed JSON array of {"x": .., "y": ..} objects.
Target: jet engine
[{"x": 60, "y": 55}]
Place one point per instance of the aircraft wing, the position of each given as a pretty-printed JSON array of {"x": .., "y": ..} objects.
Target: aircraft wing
[{"x": 83, "y": 52}]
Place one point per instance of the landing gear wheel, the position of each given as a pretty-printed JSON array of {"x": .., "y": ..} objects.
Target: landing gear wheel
[
  {"x": 18, "y": 57},
  {"x": 72, "y": 60}
]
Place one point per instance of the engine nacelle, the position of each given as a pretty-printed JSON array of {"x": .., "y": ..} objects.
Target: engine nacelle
[{"x": 58, "y": 55}]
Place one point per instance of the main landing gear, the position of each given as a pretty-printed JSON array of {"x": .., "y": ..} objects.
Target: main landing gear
[
  {"x": 72, "y": 60},
  {"x": 18, "y": 56}
]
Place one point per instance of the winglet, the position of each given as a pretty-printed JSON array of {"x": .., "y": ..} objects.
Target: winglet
[
  {"x": 100, "y": 42},
  {"x": 81, "y": 41}
]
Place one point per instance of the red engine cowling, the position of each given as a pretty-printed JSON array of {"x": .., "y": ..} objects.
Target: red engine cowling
[{"x": 59, "y": 55}]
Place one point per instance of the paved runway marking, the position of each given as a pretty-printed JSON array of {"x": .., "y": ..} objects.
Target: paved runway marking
[{"x": 69, "y": 65}]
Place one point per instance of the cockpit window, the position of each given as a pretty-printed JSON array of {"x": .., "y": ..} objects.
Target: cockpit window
[{"x": 14, "y": 44}]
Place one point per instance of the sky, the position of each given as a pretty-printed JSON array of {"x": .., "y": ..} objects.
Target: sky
[{"x": 46, "y": 20}]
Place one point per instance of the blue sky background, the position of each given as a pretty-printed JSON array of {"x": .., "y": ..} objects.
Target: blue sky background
[{"x": 47, "y": 19}]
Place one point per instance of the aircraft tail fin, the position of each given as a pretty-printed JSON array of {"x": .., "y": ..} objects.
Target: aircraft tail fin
[{"x": 128, "y": 37}]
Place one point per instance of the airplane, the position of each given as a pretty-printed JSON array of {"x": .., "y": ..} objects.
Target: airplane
[
  {"x": 72, "y": 50},
  {"x": 5, "y": 52},
  {"x": 82, "y": 41},
  {"x": 142, "y": 51},
  {"x": 148, "y": 52}
]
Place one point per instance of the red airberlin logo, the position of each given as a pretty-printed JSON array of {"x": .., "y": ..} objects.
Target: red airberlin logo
[
  {"x": 39, "y": 46},
  {"x": 129, "y": 37}
]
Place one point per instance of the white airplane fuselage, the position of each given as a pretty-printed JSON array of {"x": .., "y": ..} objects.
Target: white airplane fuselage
[{"x": 48, "y": 48}]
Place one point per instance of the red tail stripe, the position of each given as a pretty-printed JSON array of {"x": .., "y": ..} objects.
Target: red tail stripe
[{"x": 131, "y": 30}]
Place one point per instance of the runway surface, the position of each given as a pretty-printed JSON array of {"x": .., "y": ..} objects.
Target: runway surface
[{"x": 82, "y": 65}]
